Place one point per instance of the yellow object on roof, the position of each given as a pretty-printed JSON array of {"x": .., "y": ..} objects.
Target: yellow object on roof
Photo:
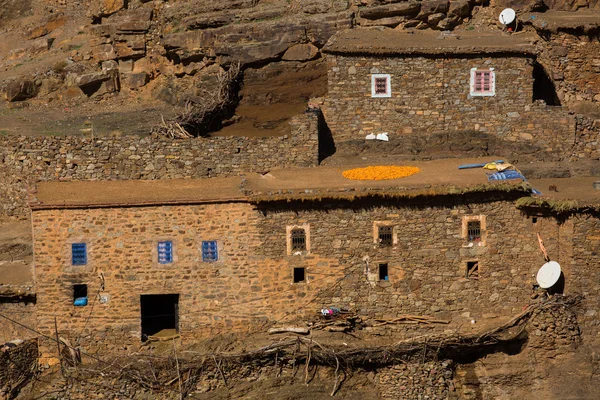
[{"x": 376, "y": 173}]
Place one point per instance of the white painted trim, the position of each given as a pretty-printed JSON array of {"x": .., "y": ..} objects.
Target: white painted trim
[
  {"x": 388, "y": 87},
  {"x": 472, "y": 83}
]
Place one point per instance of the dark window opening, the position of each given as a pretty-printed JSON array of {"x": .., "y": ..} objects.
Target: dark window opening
[
  {"x": 386, "y": 235},
  {"x": 298, "y": 239},
  {"x": 80, "y": 295},
  {"x": 381, "y": 85},
  {"x": 543, "y": 87},
  {"x": 383, "y": 272},
  {"x": 299, "y": 275},
  {"x": 534, "y": 220},
  {"x": 160, "y": 314},
  {"x": 474, "y": 231},
  {"x": 472, "y": 269},
  {"x": 78, "y": 254}
]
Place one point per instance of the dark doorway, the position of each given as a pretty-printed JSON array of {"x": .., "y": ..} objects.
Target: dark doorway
[
  {"x": 159, "y": 312},
  {"x": 543, "y": 87}
]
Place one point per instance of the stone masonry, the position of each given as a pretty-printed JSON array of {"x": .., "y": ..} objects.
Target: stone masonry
[
  {"x": 251, "y": 285},
  {"x": 27, "y": 160},
  {"x": 431, "y": 94}
]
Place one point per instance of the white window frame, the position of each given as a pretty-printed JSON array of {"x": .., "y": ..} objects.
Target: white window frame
[
  {"x": 388, "y": 88},
  {"x": 288, "y": 234},
  {"x": 472, "y": 91}
]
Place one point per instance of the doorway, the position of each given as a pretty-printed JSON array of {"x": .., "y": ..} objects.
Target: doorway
[{"x": 160, "y": 312}]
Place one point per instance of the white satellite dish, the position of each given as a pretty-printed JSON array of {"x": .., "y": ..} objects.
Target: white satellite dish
[
  {"x": 549, "y": 274},
  {"x": 507, "y": 16}
]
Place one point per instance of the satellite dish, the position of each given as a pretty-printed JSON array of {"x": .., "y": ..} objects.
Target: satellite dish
[
  {"x": 549, "y": 274},
  {"x": 507, "y": 16}
]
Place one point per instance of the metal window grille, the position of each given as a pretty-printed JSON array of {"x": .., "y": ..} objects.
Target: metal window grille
[
  {"x": 386, "y": 237},
  {"x": 483, "y": 81},
  {"x": 298, "y": 240},
  {"x": 165, "y": 252},
  {"x": 474, "y": 231},
  {"x": 209, "y": 251},
  {"x": 381, "y": 85},
  {"x": 78, "y": 254}
]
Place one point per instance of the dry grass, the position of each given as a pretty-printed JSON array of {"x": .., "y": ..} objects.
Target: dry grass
[
  {"x": 377, "y": 173},
  {"x": 556, "y": 205}
]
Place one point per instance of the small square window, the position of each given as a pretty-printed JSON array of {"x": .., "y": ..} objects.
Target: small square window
[
  {"x": 483, "y": 82},
  {"x": 80, "y": 295},
  {"x": 472, "y": 269},
  {"x": 386, "y": 235},
  {"x": 299, "y": 275},
  {"x": 474, "y": 231},
  {"x": 165, "y": 252},
  {"x": 381, "y": 85},
  {"x": 383, "y": 272},
  {"x": 209, "y": 251},
  {"x": 298, "y": 239},
  {"x": 78, "y": 254}
]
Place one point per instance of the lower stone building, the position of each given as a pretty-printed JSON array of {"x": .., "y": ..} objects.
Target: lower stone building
[{"x": 117, "y": 262}]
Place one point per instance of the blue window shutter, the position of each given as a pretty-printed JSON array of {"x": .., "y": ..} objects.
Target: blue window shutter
[
  {"x": 165, "y": 252},
  {"x": 78, "y": 254},
  {"x": 209, "y": 251}
]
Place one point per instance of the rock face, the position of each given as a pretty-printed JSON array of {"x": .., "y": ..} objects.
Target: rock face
[
  {"x": 301, "y": 52},
  {"x": 21, "y": 89}
]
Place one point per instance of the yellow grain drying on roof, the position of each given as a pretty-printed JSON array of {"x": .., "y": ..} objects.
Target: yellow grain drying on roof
[{"x": 380, "y": 172}]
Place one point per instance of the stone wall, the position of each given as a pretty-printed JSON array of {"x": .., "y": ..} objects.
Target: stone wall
[
  {"x": 430, "y": 380},
  {"x": 16, "y": 366},
  {"x": 26, "y": 160},
  {"x": 252, "y": 283},
  {"x": 573, "y": 63},
  {"x": 21, "y": 311},
  {"x": 431, "y": 95}
]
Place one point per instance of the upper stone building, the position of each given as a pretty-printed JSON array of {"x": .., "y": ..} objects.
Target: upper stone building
[{"x": 423, "y": 83}]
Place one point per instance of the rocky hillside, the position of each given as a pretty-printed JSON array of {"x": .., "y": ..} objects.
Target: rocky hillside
[{"x": 61, "y": 59}]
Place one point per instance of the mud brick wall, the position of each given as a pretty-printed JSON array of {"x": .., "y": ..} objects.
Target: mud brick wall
[
  {"x": 432, "y": 95},
  {"x": 26, "y": 160},
  {"x": 241, "y": 291},
  {"x": 16, "y": 365}
]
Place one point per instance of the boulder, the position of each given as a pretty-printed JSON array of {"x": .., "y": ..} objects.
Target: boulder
[
  {"x": 46, "y": 26},
  {"x": 98, "y": 83},
  {"x": 429, "y": 7},
  {"x": 20, "y": 89},
  {"x": 104, "y": 8},
  {"x": 301, "y": 52},
  {"x": 520, "y": 6},
  {"x": 390, "y": 21},
  {"x": 134, "y": 80},
  {"x": 409, "y": 8},
  {"x": 459, "y": 8},
  {"x": 566, "y": 5},
  {"x": 433, "y": 19}
]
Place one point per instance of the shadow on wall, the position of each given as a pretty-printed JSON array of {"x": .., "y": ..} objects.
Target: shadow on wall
[
  {"x": 543, "y": 87},
  {"x": 326, "y": 142}
]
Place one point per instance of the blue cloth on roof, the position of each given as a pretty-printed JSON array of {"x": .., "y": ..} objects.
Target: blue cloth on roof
[{"x": 506, "y": 175}]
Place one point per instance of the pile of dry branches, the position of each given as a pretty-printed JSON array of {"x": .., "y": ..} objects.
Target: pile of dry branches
[
  {"x": 198, "y": 116},
  {"x": 291, "y": 352}
]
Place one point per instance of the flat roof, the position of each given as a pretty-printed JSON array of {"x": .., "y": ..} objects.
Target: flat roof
[
  {"x": 554, "y": 21},
  {"x": 388, "y": 41},
  {"x": 435, "y": 177}
]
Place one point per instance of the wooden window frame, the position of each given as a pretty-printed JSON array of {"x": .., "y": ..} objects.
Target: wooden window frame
[
  {"x": 388, "y": 85},
  {"x": 475, "y": 91}
]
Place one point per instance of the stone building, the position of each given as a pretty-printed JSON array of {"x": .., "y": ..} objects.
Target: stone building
[
  {"x": 422, "y": 83},
  {"x": 119, "y": 261}
]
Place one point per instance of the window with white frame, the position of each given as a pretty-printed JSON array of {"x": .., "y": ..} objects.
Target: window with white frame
[
  {"x": 298, "y": 239},
  {"x": 474, "y": 229},
  {"x": 381, "y": 85},
  {"x": 483, "y": 82}
]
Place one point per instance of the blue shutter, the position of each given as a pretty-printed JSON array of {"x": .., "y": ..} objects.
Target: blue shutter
[
  {"x": 165, "y": 252},
  {"x": 78, "y": 254},
  {"x": 209, "y": 251}
]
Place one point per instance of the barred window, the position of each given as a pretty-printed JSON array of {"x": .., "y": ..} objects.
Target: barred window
[
  {"x": 78, "y": 254},
  {"x": 165, "y": 252},
  {"x": 483, "y": 82},
  {"x": 209, "y": 251},
  {"x": 386, "y": 235},
  {"x": 298, "y": 236},
  {"x": 381, "y": 85},
  {"x": 474, "y": 231}
]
